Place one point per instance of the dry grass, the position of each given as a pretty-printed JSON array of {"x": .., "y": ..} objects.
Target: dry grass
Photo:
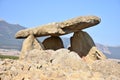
[{"x": 8, "y": 57}]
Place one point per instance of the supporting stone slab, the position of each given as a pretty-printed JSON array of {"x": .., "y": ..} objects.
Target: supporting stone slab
[
  {"x": 30, "y": 43},
  {"x": 81, "y": 43},
  {"x": 53, "y": 42}
]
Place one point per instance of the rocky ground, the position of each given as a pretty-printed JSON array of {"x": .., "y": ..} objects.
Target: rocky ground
[{"x": 61, "y": 64}]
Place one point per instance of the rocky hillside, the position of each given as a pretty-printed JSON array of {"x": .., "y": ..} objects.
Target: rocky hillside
[{"x": 7, "y": 33}]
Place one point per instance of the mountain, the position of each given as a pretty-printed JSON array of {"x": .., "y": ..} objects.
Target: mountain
[
  {"x": 110, "y": 51},
  {"x": 7, "y": 33}
]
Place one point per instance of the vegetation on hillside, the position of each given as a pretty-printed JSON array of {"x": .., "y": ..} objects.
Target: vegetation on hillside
[{"x": 8, "y": 57}]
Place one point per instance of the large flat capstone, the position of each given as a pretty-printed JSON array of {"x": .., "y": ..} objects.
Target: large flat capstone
[{"x": 60, "y": 28}]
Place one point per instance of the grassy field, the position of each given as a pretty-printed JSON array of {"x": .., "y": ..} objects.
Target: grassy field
[{"x": 8, "y": 57}]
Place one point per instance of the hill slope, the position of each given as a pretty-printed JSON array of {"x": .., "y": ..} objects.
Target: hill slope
[
  {"x": 116, "y": 51},
  {"x": 7, "y": 32},
  {"x": 110, "y": 51}
]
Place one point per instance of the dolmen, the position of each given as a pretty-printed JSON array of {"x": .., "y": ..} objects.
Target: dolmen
[{"x": 80, "y": 42}]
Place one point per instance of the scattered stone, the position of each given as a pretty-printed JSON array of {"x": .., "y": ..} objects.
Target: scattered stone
[
  {"x": 53, "y": 42},
  {"x": 61, "y": 64},
  {"x": 93, "y": 55}
]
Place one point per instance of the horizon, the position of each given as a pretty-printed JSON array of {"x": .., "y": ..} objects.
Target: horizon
[{"x": 34, "y": 13}]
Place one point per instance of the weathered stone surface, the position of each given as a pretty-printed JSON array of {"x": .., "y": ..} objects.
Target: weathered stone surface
[
  {"x": 93, "y": 55},
  {"x": 109, "y": 68},
  {"x": 53, "y": 42},
  {"x": 30, "y": 43},
  {"x": 57, "y": 65},
  {"x": 62, "y": 58},
  {"x": 39, "y": 56},
  {"x": 61, "y": 28},
  {"x": 81, "y": 43}
]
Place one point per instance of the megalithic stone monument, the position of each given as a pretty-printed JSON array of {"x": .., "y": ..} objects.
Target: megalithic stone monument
[{"x": 81, "y": 42}]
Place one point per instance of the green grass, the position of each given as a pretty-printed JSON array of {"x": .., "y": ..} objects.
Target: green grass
[{"x": 8, "y": 57}]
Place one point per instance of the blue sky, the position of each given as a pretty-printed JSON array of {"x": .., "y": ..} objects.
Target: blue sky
[{"x": 31, "y": 13}]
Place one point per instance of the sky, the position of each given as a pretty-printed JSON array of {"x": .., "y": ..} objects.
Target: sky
[{"x": 32, "y": 13}]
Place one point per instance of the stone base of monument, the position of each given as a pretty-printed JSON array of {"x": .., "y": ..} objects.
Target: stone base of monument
[{"x": 61, "y": 64}]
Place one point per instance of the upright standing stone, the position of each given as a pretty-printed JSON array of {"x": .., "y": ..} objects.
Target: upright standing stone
[
  {"x": 81, "y": 43},
  {"x": 53, "y": 42},
  {"x": 30, "y": 43}
]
